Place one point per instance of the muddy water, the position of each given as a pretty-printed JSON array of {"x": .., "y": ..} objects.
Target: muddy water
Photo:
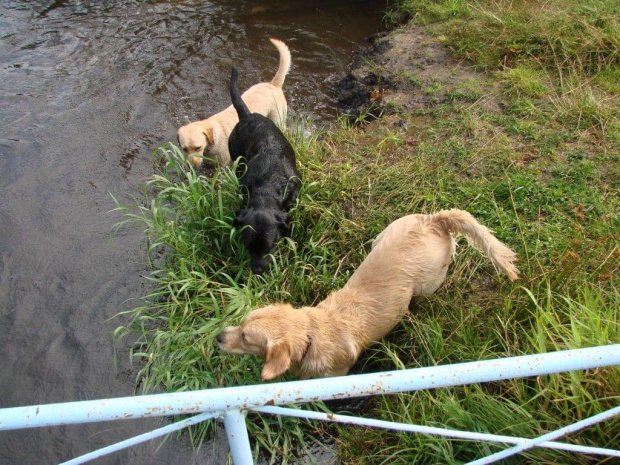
[{"x": 87, "y": 90}]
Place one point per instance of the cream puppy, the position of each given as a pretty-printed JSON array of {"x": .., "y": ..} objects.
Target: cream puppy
[
  {"x": 409, "y": 258},
  {"x": 209, "y": 137}
]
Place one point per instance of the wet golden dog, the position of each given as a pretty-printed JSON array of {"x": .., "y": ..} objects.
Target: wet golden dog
[
  {"x": 209, "y": 137},
  {"x": 409, "y": 258}
]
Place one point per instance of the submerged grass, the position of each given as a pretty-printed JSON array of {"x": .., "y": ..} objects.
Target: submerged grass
[{"x": 539, "y": 166}]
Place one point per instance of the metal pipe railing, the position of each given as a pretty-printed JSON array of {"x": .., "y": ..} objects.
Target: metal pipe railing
[
  {"x": 432, "y": 430},
  {"x": 548, "y": 437},
  {"x": 238, "y": 440},
  {"x": 156, "y": 433},
  {"x": 248, "y": 397},
  {"x": 235, "y": 400}
]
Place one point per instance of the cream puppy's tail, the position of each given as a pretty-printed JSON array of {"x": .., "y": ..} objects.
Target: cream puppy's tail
[
  {"x": 285, "y": 62},
  {"x": 462, "y": 223}
]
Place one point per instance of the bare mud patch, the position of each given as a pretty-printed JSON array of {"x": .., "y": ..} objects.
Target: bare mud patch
[{"x": 407, "y": 70}]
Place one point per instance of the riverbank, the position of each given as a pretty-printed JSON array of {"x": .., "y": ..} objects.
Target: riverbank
[
  {"x": 477, "y": 114},
  {"x": 528, "y": 151}
]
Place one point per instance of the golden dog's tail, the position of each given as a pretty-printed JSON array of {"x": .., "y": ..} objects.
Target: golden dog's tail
[
  {"x": 462, "y": 223},
  {"x": 285, "y": 62}
]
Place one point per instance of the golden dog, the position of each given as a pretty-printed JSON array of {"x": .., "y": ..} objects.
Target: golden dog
[
  {"x": 209, "y": 137},
  {"x": 409, "y": 258}
]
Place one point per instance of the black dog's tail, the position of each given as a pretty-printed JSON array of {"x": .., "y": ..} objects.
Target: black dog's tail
[{"x": 238, "y": 103}]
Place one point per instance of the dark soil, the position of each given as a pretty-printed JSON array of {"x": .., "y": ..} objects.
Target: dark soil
[{"x": 403, "y": 71}]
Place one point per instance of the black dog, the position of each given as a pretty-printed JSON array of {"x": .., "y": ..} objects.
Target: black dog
[{"x": 271, "y": 181}]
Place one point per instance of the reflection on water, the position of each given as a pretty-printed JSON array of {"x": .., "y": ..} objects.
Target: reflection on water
[{"x": 87, "y": 90}]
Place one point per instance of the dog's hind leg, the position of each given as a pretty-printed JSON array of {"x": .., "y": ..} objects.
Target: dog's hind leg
[
  {"x": 377, "y": 239},
  {"x": 291, "y": 191},
  {"x": 278, "y": 114}
]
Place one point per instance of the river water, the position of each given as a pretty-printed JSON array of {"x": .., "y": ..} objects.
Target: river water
[{"x": 88, "y": 88}]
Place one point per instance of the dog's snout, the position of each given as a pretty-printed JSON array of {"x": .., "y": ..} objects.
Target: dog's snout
[
  {"x": 259, "y": 268},
  {"x": 219, "y": 338},
  {"x": 260, "y": 264}
]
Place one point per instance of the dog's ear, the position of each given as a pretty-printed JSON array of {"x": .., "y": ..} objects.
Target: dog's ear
[
  {"x": 277, "y": 360},
  {"x": 239, "y": 219},
  {"x": 208, "y": 132},
  {"x": 282, "y": 218}
]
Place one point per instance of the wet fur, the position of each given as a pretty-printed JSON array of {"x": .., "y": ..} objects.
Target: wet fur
[
  {"x": 409, "y": 258},
  {"x": 269, "y": 180},
  {"x": 209, "y": 137}
]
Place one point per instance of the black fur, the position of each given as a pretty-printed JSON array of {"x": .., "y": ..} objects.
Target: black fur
[{"x": 270, "y": 182}]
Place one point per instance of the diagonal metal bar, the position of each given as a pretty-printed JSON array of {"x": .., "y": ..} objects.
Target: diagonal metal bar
[
  {"x": 142, "y": 438},
  {"x": 467, "y": 435},
  {"x": 548, "y": 437}
]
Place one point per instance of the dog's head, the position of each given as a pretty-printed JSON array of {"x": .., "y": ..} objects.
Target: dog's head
[
  {"x": 262, "y": 229},
  {"x": 195, "y": 140},
  {"x": 277, "y": 333}
]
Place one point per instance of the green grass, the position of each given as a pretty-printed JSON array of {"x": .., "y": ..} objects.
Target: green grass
[
  {"x": 539, "y": 166},
  {"x": 565, "y": 34},
  {"x": 201, "y": 280},
  {"x": 561, "y": 57}
]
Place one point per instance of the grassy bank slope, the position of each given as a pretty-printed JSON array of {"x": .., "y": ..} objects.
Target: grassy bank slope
[{"x": 530, "y": 146}]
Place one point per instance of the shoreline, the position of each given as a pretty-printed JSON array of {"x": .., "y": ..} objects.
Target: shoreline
[{"x": 404, "y": 70}]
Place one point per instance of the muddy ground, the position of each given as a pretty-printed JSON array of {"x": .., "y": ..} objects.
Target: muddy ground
[{"x": 404, "y": 71}]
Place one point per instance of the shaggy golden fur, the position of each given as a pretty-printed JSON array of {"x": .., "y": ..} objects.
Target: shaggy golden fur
[
  {"x": 409, "y": 258},
  {"x": 209, "y": 137}
]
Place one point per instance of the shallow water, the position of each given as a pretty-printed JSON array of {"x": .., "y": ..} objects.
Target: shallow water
[{"x": 87, "y": 90}]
